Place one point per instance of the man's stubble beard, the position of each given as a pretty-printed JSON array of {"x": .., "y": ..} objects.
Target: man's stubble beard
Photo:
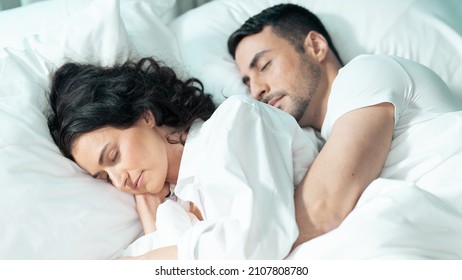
[{"x": 307, "y": 89}]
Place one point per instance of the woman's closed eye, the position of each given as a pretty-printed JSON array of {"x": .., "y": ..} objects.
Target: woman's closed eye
[{"x": 113, "y": 156}]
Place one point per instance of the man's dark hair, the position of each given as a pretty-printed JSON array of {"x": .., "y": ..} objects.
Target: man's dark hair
[{"x": 288, "y": 21}]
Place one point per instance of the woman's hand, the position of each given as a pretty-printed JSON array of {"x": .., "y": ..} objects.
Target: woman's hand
[{"x": 146, "y": 206}]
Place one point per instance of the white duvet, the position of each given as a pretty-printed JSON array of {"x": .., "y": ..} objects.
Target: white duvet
[{"x": 394, "y": 219}]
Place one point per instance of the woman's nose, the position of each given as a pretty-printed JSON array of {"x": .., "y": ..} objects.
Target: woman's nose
[{"x": 118, "y": 178}]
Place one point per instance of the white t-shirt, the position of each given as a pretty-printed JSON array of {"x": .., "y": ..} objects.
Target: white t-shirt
[
  {"x": 240, "y": 168},
  {"x": 424, "y": 107}
]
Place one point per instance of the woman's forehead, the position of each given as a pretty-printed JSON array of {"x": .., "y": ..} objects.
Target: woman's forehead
[{"x": 93, "y": 139}]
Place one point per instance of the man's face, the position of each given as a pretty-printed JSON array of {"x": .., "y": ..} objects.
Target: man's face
[{"x": 276, "y": 73}]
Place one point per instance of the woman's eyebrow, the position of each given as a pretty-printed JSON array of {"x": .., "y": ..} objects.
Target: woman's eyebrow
[{"x": 101, "y": 155}]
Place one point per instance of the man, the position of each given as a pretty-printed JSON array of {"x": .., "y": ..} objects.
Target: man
[{"x": 364, "y": 109}]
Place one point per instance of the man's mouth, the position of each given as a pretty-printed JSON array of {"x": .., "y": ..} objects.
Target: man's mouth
[{"x": 275, "y": 101}]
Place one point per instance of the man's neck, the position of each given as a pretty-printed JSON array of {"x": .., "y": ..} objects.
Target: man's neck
[{"x": 317, "y": 109}]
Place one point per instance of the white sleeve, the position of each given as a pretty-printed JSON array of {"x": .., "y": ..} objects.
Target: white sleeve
[
  {"x": 171, "y": 221},
  {"x": 367, "y": 80},
  {"x": 256, "y": 154}
]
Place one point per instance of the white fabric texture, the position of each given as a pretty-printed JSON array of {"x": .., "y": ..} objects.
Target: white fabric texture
[
  {"x": 225, "y": 171},
  {"x": 416, "y": 92},
  {"x": 394, "y": 220},
  {"x": 171, "y": 222}
]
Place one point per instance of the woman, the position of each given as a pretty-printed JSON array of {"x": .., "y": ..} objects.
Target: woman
[{"x": 142, "y": 129}]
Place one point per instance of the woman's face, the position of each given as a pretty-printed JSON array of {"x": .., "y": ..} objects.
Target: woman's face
[{"x": 135, "y": 160}]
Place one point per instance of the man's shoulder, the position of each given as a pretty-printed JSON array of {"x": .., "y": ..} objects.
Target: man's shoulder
[
  {"x": 374, "y": 60},
  {"x": 372, "y": 68},
  {"x": 371, "y": 59}
]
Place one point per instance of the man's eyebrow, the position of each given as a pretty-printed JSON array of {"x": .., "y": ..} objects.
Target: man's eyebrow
[
  {"x": 253, "y": 64},
  {"x": 256, "y": 57}
]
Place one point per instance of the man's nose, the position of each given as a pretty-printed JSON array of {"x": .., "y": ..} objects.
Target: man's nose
[{"x": 258, "y": 89}]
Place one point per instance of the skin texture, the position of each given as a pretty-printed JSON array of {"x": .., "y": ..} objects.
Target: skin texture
[
  {"x": 354, "y": 153},
  {"x": 282, "y": 77},
  {"x": 137, "y": 160},
  {"x": 278, "y": 79}
]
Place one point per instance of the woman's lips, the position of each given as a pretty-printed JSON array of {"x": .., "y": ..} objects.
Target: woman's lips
[{"x": 138, "y": 181}]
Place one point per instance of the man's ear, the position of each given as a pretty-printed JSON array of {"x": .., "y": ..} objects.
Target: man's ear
[{"x": 316, "y": 45}]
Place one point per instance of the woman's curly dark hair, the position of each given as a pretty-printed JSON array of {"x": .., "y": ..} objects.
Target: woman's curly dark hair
[{"x": 86, "y": 97}]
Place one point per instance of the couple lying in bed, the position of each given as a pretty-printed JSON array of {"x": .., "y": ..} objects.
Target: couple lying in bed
[{"x": 237, "y": 168}]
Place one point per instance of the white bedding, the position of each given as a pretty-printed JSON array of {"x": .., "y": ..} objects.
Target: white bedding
[
  {"x": 393, "y": 219},
  {"x": 52, "y": 210},
  {"x": 396, "y": 219}
]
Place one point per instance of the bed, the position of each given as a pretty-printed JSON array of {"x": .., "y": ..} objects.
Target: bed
[{"x": 50, "y": 209}]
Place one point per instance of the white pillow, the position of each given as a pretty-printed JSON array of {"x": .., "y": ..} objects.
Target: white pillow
[
  {"x": 148, "y": 32},
  {"x": 427, "y": 31},
  {"x": 50, "y": 208},
  {"x": 37, "y": 18}
]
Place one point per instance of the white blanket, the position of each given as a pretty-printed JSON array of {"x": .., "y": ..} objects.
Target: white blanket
[{"x": 394, "y": 219}]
